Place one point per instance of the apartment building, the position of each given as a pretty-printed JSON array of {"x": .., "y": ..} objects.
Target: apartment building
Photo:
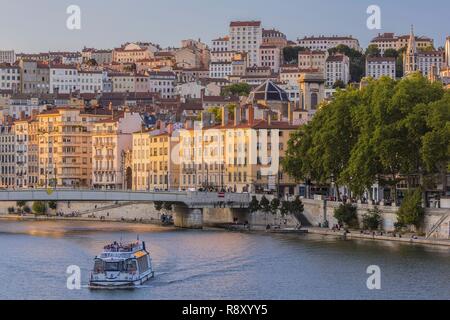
[
  {"x": 377, "y": 67},
  {"x": 63, "y": 78},
  {"x": 35, "y": 76},
  {"x": 162, "y": 82},
  {"x": 7, "y": 56},
  {"x": 7, "y": 156},
  {"x": 246, "y": 36},
  {"x": 155, "y": 163},
  {"x": 102, "y": 57},
  {"x": 337, "y": 68},
  {"x": 220, "y": 44},
  {"x": 110, "y": 139},
  {"x": 447, "y": 51},
  {"x": 273, "y": 37},
  {"x": 131, "y": 53},
  {"x": 239, "y": 155},
  {"x": 324, "y": 43},
  {"x": 220, "y": 70},
  {"x": 315, "y": 59},
  {"x": 270, "y": 56},
  {"x": 65, "y": 146},
  {"x": 10, "y": 77},
  {"x": 389, "y": 40},
  {"x": 90, "y": 81}
]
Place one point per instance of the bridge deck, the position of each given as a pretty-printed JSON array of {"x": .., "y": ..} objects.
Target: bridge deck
[{"x": 190, "y": 199}]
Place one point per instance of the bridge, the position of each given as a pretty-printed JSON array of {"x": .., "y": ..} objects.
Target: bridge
[
  {"x": 188, "y": 205},
  {"x": 189, "y": 199}
]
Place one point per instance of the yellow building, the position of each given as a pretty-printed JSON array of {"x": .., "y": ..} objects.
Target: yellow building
[
  {"x": 240, "y": 156},
  {"x": 153, "y": 165},
  {"x": 65, "y": 146}
]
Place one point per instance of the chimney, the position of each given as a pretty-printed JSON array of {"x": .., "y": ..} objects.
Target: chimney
[
  {"x": 170, "y": 128},
  {"x": 224, "y": 116},
  {"x": 237, "y": 116},
  {"x": 251, "y": 115},
  {"x": 290, "y": 113}
]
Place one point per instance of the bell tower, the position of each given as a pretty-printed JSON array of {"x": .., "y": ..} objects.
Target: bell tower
[{"x": 410, "y": 59}]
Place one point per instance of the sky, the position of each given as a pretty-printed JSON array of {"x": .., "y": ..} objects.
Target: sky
[{"x": 39, "y": 26}]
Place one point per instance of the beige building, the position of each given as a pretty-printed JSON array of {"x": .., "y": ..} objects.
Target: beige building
[
  {"x": 239, "y": 155},
  {"x": 323, "y": 43},
  {"x": 389, "y": 40},
  {"x": 35, "y": 76},
  {"x": 313, "y": 60},
  {"x": 270, "y": 56},
  {"x": 110, "y": 139},
  {"x": 246, "y": 36},
  {"x": 65, "y": 146},
  {"x": 131, "y": 53},
  {"x": 155, "y": 160}
]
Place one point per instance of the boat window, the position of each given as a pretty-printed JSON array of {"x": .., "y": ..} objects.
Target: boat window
[
  {"x": 112, "y": 266},
  {"x": 131, "y": 266},
  {"x": 98, "y": 266}
]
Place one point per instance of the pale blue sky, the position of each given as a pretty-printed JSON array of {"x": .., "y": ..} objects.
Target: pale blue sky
[{"x": 33, "y": 26}]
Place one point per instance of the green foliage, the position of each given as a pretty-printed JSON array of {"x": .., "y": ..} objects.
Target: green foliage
[
  {"x": 21, "y": 203},
  {"x": 290, "y": 54},
  {"x": 357, "y": 61},
  {"x": 11, "y": 210},
  {"x": 274, "y": 205},
  {"x": 168, "y": 206},
  {"x": 285, "y": 208},
  {"x": 411, "y": 212},
  {"x": 26, "y": 209},
  {"x": 237, "y": 89},
  {"x": 264, "y": 204},
  {"x": 373, "y": 51},
  {"x": 296, "y": 206},
  {"x": 372, "y": 220},
  {"x": 346, "y": 214},
  {"x": 387, "y": 130},
  {"x": 254, "y": 205},
  {"x": 391, "y": 53},
  {"x": 39, "y": 207},
  {"x": 52, "y": 205},
  {"x": 92, "y": 62},
  {"x": 158, "y": 205},
  {"x": 339, "y": 84}
]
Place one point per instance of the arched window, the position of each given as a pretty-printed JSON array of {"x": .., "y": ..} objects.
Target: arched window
[{"x": 314, "y": 100}]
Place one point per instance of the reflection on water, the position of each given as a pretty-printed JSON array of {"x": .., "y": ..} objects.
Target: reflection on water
[{"x": 218, "y": 265}]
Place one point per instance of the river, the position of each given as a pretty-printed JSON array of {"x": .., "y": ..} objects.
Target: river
[{"x": 212, "y": 264}]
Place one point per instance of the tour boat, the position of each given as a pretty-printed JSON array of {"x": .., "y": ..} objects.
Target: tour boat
[{"x": 121, "y": 266}]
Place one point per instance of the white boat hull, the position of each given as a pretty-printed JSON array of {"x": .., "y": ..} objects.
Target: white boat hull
[{"x": 120, "y": 284}]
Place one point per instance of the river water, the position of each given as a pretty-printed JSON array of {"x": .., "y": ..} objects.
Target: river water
[{"x": 205, "y": 264}]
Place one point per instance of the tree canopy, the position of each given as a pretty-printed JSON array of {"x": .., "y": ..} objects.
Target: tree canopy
[{"x": 386, "y": 130}]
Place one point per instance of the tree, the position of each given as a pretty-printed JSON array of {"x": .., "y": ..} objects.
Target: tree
[
  {"x": 357, "y": 61},
  {"x": 411, "y": 212},
  {"x": 290, "y": 54},
  {"x": 285, "y": 208},
  {"x": 158, "y": 205},
  {"x": 92, "y": 62},
  {"x": 168, "y": 206},
  {"x": 52, "y": 205},
  {"x": 296, "y": 206},
  {"x": 339, "y": 84},
  {"x": 372, "y": 219},
  {"x": 21, "y": 203},
  {"x": 373, "y": 51},
  {"x": 265, "y": 206},
  {"x": 346, "y": 214},
  {"x": 391, "y": 53},
  {"x": 236, "y": 89},
  {"x": 26, "y": 209},
  {"x": 11, "y": 210},
  {"x": 254, "y": 205},
  {"x": 39, "y": 207},
  {"x": 274, "y": 206}
]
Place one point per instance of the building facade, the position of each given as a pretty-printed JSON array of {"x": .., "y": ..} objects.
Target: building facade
[
  {"x": 246, "y": 36},
  {"x": 377, "y": 67}
]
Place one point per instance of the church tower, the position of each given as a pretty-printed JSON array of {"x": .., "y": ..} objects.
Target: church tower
[{"x": 410, "y": 59}]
